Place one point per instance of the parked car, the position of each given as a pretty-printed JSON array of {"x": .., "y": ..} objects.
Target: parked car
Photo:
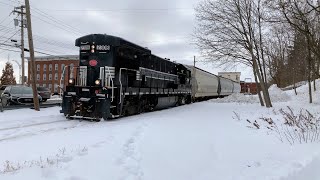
[
  {"x": 2, "y": 87},
  {"x": 17, "y": 94},
  {"x": 44, "y": 92}
]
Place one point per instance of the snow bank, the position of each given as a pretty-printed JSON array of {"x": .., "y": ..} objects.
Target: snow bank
[
  {"x": 238, "y": 98},
  {"x": 277, "y": 95},
  {"x": 298, "y": 84},
  {"x": 55, "y": 97}
]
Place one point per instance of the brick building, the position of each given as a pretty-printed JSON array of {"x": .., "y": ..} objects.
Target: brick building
[
  {"x": 50, "y": 68},
  {"x": 248, "y": 87}
]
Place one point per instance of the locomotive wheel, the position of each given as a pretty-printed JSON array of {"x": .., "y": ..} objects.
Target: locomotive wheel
[
  {"x": 189, "y": 99},
  {"x": 142, "y": 105},
  {"x": 181, "y": 101},
  {"x": 130, "y": 107}
]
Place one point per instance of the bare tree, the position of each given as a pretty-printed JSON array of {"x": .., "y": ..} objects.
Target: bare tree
[
  {"x": 231, "y": 32},
  {"x": 302, "y": 17},
  {"x": 277, "y": 51}
]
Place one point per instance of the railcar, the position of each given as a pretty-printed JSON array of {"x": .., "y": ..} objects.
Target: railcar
[
  {"x": 206, "y": 85},
  {"x": 226, "y": 86},
  {"x": 236, "y": 87},
  {"x": 116, "y": 78}
]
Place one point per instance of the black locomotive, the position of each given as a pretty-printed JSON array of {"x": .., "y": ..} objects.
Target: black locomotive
[{"x": 116, "y": 78}]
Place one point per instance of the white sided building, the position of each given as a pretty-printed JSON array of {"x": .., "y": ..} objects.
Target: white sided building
[{"x": 234, "y": 76}]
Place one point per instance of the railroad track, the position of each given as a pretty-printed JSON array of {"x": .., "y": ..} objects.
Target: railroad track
[
  {"x": 13, "y": 107},
  {"x": 26, "y": 131},
  {"x": 30, "y": 125}
]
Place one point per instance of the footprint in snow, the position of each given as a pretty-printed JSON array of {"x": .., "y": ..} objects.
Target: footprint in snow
[
  {"x": 297, "y": 165},
  {"x": 65, "y": 159},
  {"x": 83, "y": 153},
  {"x": 98, "y": 144},
  {"x": 48, "y": 173},
  {"x": 75, "y": 178}
]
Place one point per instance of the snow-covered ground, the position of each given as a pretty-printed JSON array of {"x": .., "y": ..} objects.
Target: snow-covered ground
[{"x": 201, "y": 141}]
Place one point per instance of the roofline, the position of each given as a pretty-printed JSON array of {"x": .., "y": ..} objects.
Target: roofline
[{"x": 56, "y": 57}]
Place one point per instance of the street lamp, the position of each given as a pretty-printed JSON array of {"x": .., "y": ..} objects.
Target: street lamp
[{"x": 20, "y": 75}]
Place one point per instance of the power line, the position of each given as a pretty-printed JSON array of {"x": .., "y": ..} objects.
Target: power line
[
  {"x": 42, "y": 40},
  {"x": 124, "y": 10},
  {"x": 54, "y": 25},
  {"x": 25, "y": 49},
  {"x": 5, "y": 49},
  {"x": 11, "y": 36},
  {"x": 15, "y": 1},
  {"x": 56, "y": 20},
  {"x": 6, "y": 4},
  {"x": 38, "y": 37},
  {"x": 4, "y": 19}
]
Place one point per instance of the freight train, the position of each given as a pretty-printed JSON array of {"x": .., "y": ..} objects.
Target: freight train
[{"x": 117, "y": 78}]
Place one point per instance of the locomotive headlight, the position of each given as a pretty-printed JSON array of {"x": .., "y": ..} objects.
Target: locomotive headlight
[
  {"x": 92, "y": 48},
  {"x": 71, "y": 81},
  {"x": 97, "y": 82}
]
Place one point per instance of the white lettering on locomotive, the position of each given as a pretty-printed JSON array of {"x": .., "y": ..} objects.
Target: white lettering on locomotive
[{"x": 103, "y": 47}]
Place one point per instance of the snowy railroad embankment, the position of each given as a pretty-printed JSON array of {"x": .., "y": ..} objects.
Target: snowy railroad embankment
[{"x": 225, "y": 139}]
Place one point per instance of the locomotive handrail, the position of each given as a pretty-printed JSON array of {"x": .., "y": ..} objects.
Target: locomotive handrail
[
  {"x": 120, "y": 85},
  {"x": 112, "y": 85},
  {"x": 121, "y": 82}
]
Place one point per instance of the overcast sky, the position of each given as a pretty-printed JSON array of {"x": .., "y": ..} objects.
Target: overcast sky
[{"x": 165, "y": 27}]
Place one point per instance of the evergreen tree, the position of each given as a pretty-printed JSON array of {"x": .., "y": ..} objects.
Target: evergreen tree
[{"x": 7, "y": 77}]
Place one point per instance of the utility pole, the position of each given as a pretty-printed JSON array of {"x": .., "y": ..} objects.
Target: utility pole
[
  {"x": 22, "y": 25},
  {"x": 33, "y": 66}
]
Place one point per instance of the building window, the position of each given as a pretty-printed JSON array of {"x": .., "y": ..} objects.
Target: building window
[
  {"x": 56, "y": 76},
  {"x": 38, "y": 67},
  {"x": 56, "y": 67},
  {"x": 62, "y": 67},
  {"x": 56, "y": 87},
  {"x": 50, "y": 76},
  {"x": 50, "y": 86},
  {"x": 37, "y": 85},
  {"x": 71, "y": 65},
  {"x": 44, "y": 77},
  {"x": 44, "y": 85},
  {"x": 50, "y": 67},
  {"x": 38, "y": 77},
  {"x": 44, "y": 67}
]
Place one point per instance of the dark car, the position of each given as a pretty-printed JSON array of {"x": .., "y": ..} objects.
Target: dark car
[
  {"x": 2, "y": 87},
  {"x": 17, "y": 94},
  {"x": 45, "y": 93}
]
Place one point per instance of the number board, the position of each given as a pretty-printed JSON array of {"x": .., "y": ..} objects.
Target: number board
[
  {"x": 103, "y": 48},
  {"x": 85, "y": 48}
]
